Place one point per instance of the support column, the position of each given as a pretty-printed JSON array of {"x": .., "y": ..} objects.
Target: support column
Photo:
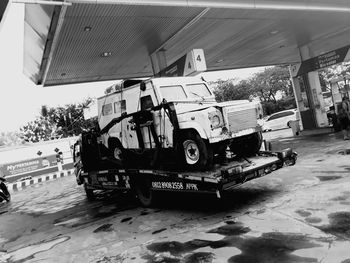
[
  {"x": 310, "y": 100},
  {"x": 297, "y": 95},
  {"x": 317, "y": 98}
]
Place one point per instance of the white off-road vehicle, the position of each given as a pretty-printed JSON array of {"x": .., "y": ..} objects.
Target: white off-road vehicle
[{"x": 175, "y": 121}]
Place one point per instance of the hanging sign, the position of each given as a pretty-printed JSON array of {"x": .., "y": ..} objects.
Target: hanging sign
[
  {"x": 323, "y": 61},
  {"x": 190, "y": 64}
]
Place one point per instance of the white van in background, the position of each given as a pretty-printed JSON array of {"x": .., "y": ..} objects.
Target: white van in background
[{"x": 280, "y": 120}]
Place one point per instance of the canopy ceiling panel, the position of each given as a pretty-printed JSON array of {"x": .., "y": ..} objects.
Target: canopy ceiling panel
[{"x": 110, "y": 39}]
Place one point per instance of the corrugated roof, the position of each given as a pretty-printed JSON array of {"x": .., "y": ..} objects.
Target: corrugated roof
[{"x": 231, "y": 38}]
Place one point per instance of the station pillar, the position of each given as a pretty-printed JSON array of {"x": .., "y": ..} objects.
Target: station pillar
[{"x": 308, "y": 95}]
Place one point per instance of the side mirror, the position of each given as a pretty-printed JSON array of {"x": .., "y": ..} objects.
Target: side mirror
[{"x": 142, "y": 86}]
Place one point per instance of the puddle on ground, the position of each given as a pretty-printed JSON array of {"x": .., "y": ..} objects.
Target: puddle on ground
[
  {"x": 313, "y": 220},
  {"x": 340, "y": 198},
  {"x": 339, "y": 225},
  {"x": 344, "y": 152},
  {"x": 125, "y": 219},
  {"x": 26, "y": 253},
  {"x": 330, "y": 177},
  {"x": 202, "y": 257},
  {"x": 269, "y": 247},
  {"x": 104, "y": 228},
  {"x": 231, "y": 228},
  {"x": 143, "y": 213},
  {"x": 158, "y": 231},
  {"x": 161, "y": 259},
  {"x": 303, "y": 213},
  {"x": 273, "y": 247},
  {"x": 106, "y": 259}
]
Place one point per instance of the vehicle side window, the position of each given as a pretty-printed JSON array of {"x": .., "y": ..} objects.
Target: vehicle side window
[
  {"x": 120, "y": 107},
  {"x": 146, "y": 102},
  {"x": 107, "y": 109},
  {"x": 289, "y": 113},
  {"x": 280, "y": 115}
]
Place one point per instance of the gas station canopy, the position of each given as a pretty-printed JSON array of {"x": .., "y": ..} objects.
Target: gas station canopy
[{"x": 95, "y": 40}]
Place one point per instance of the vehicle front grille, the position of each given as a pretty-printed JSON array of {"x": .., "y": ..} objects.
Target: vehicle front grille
[{"x": 242, "y": 120}]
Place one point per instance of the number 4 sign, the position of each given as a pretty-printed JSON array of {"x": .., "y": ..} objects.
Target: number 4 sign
[{"x": 195, "y": 62}]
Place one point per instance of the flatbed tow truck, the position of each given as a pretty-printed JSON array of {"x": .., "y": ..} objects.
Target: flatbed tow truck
[
  {"x": 145, "y": 183},
  {"x": 173, "y": 157}
]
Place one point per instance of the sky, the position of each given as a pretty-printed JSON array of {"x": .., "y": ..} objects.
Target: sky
[{"x": 21, "y": 99}]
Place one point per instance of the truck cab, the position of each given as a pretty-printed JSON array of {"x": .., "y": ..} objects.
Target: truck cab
[{"x": 196, "y": 129}]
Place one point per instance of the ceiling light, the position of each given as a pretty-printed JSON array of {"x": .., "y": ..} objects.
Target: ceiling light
[
  {"x": 87, "y": 28},
  {"x": 219, "y": 61},
  {"x": 106, "y": 54},
  {"x": 274, "y": 32}
]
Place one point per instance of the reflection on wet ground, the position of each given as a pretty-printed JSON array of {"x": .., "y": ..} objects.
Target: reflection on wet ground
[
  {"x": 339, "y": 225},
  {"x": 269, "y": 247},
  {"x": 329, "y": 178}
]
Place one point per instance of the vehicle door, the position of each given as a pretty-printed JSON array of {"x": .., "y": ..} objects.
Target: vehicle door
[
  {"x": 272, "y": 122},
  {"x": 287, "y": 116},
  {"x": 174, "y": 92},
  {"x": 105, "y": 115},
  {"x": 148, "y": 100},
  {"x": 291, "y": 117},
  {"x": 129, "y": 135}
]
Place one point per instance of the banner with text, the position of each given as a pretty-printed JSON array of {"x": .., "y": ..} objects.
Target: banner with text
[
  {"x": 325, "y": 60},
  {"x": 27, "y": 166}
]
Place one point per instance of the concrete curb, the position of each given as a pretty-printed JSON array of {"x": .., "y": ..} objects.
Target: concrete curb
[{"x": 39, "y": 179}]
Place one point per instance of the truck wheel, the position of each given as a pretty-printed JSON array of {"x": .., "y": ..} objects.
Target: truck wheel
[
  {"x": 247, "y": 145},
  {"x": 116, "y": 150},
  {"x": 89, "y": 193},
  {"x": 144, "y": 192},
  {"x": 195, "y": 152}
]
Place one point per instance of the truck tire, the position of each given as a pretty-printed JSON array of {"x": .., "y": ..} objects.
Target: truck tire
[
  {"x": 144, "y": 192},
  {"x": 116, "y": 150},
  {"x": 195, "y": 153},
  {"x": 89, "y": 193},
  {"x": 247, "y": 145}
]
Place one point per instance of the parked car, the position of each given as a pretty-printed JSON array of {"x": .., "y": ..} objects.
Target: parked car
[{"x": 280, "y": 120}]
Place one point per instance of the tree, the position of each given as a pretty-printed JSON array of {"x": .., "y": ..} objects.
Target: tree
[
  {"x": 38, "y": 130},
  {"x": 228, "y": 90},
  {"x": 272, "y": 83},
  {"x": 272, "y": 87},
  {"x": 59, "y": 122}
]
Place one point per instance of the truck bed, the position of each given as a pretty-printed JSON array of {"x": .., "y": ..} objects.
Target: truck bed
[{"x": 221, "y": 177}]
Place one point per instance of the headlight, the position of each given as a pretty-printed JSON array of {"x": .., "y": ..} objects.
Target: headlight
[{"x": 216, "y": 119}]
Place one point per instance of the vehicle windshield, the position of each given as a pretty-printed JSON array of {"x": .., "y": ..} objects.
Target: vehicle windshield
[
  {"x": 198, "y": 91},
  {"x": 173, "y": 93}
]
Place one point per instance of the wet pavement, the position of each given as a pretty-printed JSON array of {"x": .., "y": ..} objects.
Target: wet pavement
[{"x": 296, "y": 214}]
